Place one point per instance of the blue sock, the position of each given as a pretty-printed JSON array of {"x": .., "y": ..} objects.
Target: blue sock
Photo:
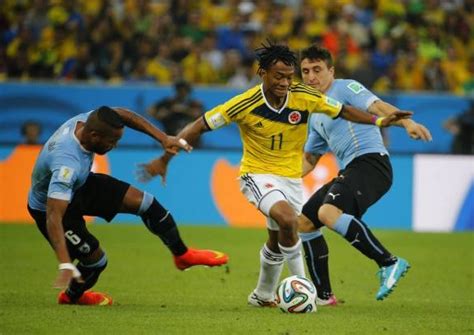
[
  {"x": 342, "y": 224},
  {"x": 309, "y": 236}
]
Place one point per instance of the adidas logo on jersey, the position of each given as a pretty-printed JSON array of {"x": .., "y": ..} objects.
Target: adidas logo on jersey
[{"x": 258, "y": 125}]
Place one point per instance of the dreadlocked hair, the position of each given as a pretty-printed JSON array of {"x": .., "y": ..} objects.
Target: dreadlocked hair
[{"x": 271, "y": 53}]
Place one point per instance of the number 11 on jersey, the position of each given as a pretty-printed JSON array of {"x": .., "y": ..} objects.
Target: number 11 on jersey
[{"x": 277, "y": 141}]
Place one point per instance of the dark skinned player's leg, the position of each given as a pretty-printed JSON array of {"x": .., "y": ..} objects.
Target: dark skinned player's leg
[
  {"x": 156, "y": 218},
  {"x": 83, "y": 246},
  {"x": 91, "y": 267},
  {"x": 282, "y": 244},
  {"x": 134, "y": 201},
  {"x": 271, "y": 266},
  {"x": 289, "y": 243},
  {"x": 160, "y": 222}
]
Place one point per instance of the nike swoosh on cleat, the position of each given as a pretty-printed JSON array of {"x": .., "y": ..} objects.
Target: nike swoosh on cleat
[
  {"x": 219, "y": 254},
  {"x": 104, "y": 302},
  {"x": 391, "y": 279}
]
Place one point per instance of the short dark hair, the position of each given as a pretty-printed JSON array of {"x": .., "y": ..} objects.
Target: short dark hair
[
  {"x": 109, "y": 116},
  {"x": 314, "y": 52},
  {"x": 271, "y": 53}
]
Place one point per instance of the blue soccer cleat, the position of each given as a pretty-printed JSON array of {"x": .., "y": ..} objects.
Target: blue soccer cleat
[{"x": 389, "y": 277}]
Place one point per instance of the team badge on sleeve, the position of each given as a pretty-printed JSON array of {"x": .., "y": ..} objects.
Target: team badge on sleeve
[
  {"x": 216, "y": 120},
  {"x": 332, "y": 102},
  {"x": 294, "y": 117},
  {"x": 355, "y": 87},
  {"x": 65, "y": 174}
]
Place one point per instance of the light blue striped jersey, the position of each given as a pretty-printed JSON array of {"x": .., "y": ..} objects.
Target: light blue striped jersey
[
  {"x": 61, "y": 167},
  {"x": 347, "y": 140}
]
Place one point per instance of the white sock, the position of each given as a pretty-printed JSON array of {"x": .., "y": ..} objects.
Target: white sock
[
  {"x": 271, "y": 265},
  {"x": 294, "y": 258}
]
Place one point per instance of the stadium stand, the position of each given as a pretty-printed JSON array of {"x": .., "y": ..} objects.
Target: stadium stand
[
  {"x": 162, "y": 41},
  {"x": 390, "y": 46}
]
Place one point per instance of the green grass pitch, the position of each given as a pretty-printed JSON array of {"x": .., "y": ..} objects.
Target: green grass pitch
[{"x": 152, "y": 297}]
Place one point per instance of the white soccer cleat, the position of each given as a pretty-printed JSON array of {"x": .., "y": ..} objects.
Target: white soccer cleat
[{"x": 256, "y": 301}]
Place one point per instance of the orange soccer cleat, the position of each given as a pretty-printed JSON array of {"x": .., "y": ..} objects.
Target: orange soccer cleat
[
  {"x": 200, "y": 257},
  {"x": 88, "y": 298}
]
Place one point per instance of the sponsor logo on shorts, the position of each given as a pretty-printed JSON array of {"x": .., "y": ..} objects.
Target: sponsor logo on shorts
[
  {"x": 334, "y": 195},
  {"x": 268, "y": 185}
]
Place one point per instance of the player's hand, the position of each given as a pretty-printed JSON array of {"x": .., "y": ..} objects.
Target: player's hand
[
  {"x": 147, "y": 171},
  {"x": 395, "y": 117},
  {"x": 418, "y": 131},
  {"x": 173, "y": 144},
  {"x": 65, "y": 276}
]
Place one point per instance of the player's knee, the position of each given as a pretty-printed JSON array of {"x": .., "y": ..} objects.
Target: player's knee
[
  {"x": 328, "y": 214},
  {"x": 305, "y": 225},
  {"x": 288, "y": 222},
  {"x": 94, "y": 255}
]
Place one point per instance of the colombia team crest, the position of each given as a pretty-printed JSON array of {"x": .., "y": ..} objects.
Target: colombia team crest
[{"x": 294, "y": 117}]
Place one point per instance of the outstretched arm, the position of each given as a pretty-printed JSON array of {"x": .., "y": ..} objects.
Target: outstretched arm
[
  {"x": 415, "y": 130},
  {"x": 139, "y": 123},
  {"x": 191, "y": 133},
  {"x": 355, "y": 115}
]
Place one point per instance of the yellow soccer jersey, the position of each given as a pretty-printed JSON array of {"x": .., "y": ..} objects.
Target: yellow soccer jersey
[{"x": 273, "y": 140}]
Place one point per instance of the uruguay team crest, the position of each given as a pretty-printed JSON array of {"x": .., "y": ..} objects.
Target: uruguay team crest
[{"x": 294, "y": 117}]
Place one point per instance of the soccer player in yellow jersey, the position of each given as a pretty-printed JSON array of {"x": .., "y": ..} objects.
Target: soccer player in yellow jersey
[{"x": 273, "y": 119}]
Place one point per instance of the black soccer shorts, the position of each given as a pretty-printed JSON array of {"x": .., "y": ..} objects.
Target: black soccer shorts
[
  {"x": 362, "y": 183},
  {"x": 102, "y": 196}
]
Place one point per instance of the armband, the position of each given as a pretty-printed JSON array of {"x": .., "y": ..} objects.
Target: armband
[{"x": 377, "y": 120}]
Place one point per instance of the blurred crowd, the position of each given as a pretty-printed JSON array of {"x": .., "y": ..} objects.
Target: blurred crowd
[{"x": 385, "y": 44}]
